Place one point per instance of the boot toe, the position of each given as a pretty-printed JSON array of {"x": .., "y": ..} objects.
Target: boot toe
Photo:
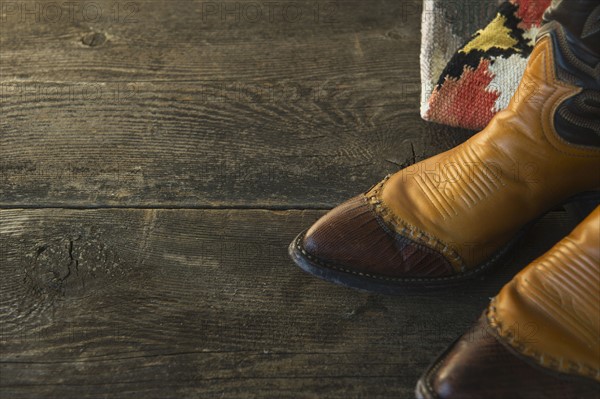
[
  {"x": 352, "y": 237},
  {"x": 478, "y": 366}
]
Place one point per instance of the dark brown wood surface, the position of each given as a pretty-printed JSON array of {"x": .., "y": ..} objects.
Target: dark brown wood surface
[
  {"x": 176, "y": 106},
  {"x": 205, "y": 303},
  {"x": 155, "y": 162}
]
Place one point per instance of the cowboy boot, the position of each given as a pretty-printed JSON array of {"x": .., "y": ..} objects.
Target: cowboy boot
[
  {"x": 452, "y": 217},
  {"x": 539, "y": 338}
]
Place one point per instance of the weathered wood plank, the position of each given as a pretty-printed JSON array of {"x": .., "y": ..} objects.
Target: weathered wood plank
[
  {"x": 180, "y": 104},
  {"x": 155, "y": 149},
  {"x": 165, "y": 303},
  {"x": 179, "y": 111},
  {"x": 189, "y": 40}
]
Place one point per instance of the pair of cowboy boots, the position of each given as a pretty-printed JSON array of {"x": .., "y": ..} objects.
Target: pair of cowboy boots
[{"x": 451, "y": 217}]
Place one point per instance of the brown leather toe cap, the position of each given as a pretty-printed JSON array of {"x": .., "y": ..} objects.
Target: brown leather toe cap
[
  {"x": 353, "y": 237},
  {"x": 479, "y": 366}
]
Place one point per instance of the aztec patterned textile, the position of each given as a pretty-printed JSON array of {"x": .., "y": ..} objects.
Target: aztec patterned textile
[{"x": 466, "y": 88}]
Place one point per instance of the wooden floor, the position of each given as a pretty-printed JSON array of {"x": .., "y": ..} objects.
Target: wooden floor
[{"x": 156, "y": 159}]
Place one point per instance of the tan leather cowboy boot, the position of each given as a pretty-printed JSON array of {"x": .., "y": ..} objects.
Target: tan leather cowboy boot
[
  {"x": 452, "y": 216},
  {"x": 539, "y": 338}
]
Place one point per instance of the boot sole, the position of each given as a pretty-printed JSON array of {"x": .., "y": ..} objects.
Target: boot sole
[
  {"x": 341, "y": 275},
  {"x": 370, "y": 282}
]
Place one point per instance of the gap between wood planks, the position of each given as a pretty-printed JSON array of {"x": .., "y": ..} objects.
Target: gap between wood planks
[{"x": 173, "y": 207}]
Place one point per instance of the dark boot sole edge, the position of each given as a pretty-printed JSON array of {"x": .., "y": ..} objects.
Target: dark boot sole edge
[
  {"x": 338, "y": 274},
  {"x": 341, "y": 275}
]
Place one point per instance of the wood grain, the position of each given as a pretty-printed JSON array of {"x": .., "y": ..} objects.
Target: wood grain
[
  {"x": 156, "y": 160},
  {"x": 198, "y": 303},
  {"x": 187, "y": 108}
]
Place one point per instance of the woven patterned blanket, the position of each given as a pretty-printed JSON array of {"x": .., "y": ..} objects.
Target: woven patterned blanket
[{"x": 467, "y": 87}]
